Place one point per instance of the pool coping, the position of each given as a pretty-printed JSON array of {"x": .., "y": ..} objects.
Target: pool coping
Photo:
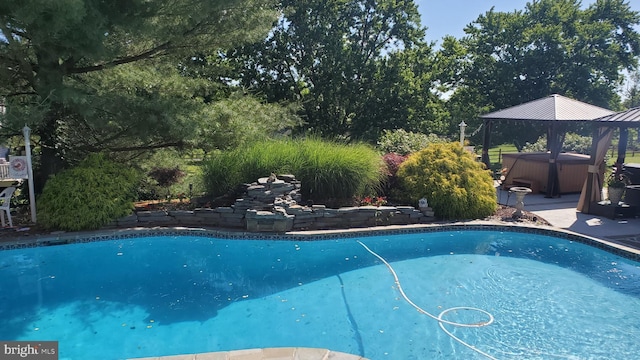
[{"x": 310, "y": 235}]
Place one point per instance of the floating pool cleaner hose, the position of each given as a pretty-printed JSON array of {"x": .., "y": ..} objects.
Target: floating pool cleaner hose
[{"x": 439, "y": 318}]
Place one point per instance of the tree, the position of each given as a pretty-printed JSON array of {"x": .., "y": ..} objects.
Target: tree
[
  {"x": 356, "y": 66},
  {"x": 226, "y": 125},
  {"x": 631, "y": 100},
  {"x": 632, "y": 92},
  {"x": 552, "y": 46},
  {"x": 97, "y": 75}
]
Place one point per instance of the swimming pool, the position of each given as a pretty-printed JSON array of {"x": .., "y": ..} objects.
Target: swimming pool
[{"x": 164, "y": 295}]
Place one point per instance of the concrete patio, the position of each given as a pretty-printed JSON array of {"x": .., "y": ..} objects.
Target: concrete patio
[{"x": 561, "y": 212}]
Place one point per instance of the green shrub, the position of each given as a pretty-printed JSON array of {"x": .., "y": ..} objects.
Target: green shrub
[
  {"x": 453, "y": 182},
  {"x": 572, "y": 143},
  {"x": 327, "y": 170},
  {"x": 406, "y": 142},
  {"x": 88, "y": 196}
]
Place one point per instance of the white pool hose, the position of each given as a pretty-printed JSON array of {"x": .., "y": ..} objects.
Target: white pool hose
[{"x": 439, "y": 318}]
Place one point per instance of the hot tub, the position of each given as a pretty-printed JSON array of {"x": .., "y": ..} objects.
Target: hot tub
[
  {"x": 532, "y": 170},
  {"x": 632, "y": 195},
  {"x": 633, "y": 169}
]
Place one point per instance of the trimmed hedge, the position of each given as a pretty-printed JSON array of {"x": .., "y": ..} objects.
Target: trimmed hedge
[
  {"x": 453, "y": 182},
  {"x": 88, "y": 196}
]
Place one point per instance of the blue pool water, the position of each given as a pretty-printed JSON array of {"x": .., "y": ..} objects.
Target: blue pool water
[{"x": 152, "y": 296}]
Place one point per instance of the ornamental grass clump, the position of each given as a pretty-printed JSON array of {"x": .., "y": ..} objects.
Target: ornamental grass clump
[
  {"x": 331, "y": 170},
  {"x": 455, "y": 185},
  {"x": 328, "y": 171},
  {"x": 88, "y": 196}
]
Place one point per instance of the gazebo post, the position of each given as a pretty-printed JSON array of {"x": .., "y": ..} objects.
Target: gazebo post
[
  {"x": 555, "y": 139},
  {"x": 622, "y": 145},
  {"x": 486, "y": 143}
]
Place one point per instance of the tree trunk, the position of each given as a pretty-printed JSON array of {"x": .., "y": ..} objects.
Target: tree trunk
[
  {"x": 49, "y": 86},
  {"x": 51, "y": 156}
]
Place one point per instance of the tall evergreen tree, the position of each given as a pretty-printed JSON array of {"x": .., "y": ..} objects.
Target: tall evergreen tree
[{"x": 92, "y": 75}]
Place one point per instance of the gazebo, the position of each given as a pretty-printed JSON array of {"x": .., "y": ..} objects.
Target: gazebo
[{"x": 555, "y": 110}]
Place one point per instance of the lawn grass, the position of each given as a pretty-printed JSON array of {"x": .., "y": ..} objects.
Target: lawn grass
[
  {"x": 630, "y": 157},
  {"x": 495, "y": 153}
]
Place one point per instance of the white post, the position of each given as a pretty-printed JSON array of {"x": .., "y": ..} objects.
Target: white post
[
  {"x": 27, "y": 147},
  {"x": 462, "y": 127}
]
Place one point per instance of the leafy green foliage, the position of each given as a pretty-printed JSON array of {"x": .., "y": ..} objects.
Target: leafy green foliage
[
  {"x": 618, "y": 177},
  {"x": 455, "y": 185},
  {"x": 93, "y": 75},
  {"x": 355, "y": 66},
  {"x": 572, "y": 143},
  {"x": 328, "y": 171},
  {"x": 552, "y": 46},
  {"x": 166, "y": 177},
  {"x": 242, "y": 119},
  {"x": 88, "y": 196},
  {"x": 189, "y": 185},
  {"x": 632, "y": 91},
  {"x": 406, "y": 142}
]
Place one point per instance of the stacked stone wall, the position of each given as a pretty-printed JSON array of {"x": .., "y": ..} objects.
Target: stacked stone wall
[{"x": 272, "y": 205}]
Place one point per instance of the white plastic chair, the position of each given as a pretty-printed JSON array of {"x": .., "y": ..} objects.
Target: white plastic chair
[{"x": 5, "y": 198}]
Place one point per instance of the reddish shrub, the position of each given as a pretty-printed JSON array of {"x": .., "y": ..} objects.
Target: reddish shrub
[
  {"x": 372, "y": 201},
  {"x": 392, "y": 161},
  {"x": 166, "y": 177}
]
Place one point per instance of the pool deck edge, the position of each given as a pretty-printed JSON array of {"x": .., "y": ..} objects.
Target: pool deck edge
[
  {"x": 284, "y": 353},
  {"x": 60, "y": 238}
]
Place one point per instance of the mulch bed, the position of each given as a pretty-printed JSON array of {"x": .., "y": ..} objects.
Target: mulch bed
[{"x": 505, "y": 213}]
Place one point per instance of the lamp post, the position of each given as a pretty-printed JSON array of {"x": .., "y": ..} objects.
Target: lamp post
[
  {"x": 27, "y": 147},
  {"x": 462, "y": 127}
]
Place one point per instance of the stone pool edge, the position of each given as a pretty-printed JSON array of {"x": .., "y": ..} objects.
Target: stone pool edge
[{"x": 310, "y": 235}]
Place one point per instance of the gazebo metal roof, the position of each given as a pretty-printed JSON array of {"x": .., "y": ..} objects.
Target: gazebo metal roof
[
  {"x": 551, "y": 108},
  {"x": 626, "y": 118}
]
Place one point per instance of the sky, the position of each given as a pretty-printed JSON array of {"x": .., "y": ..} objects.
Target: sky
[{"x": 449, "y": 17}]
